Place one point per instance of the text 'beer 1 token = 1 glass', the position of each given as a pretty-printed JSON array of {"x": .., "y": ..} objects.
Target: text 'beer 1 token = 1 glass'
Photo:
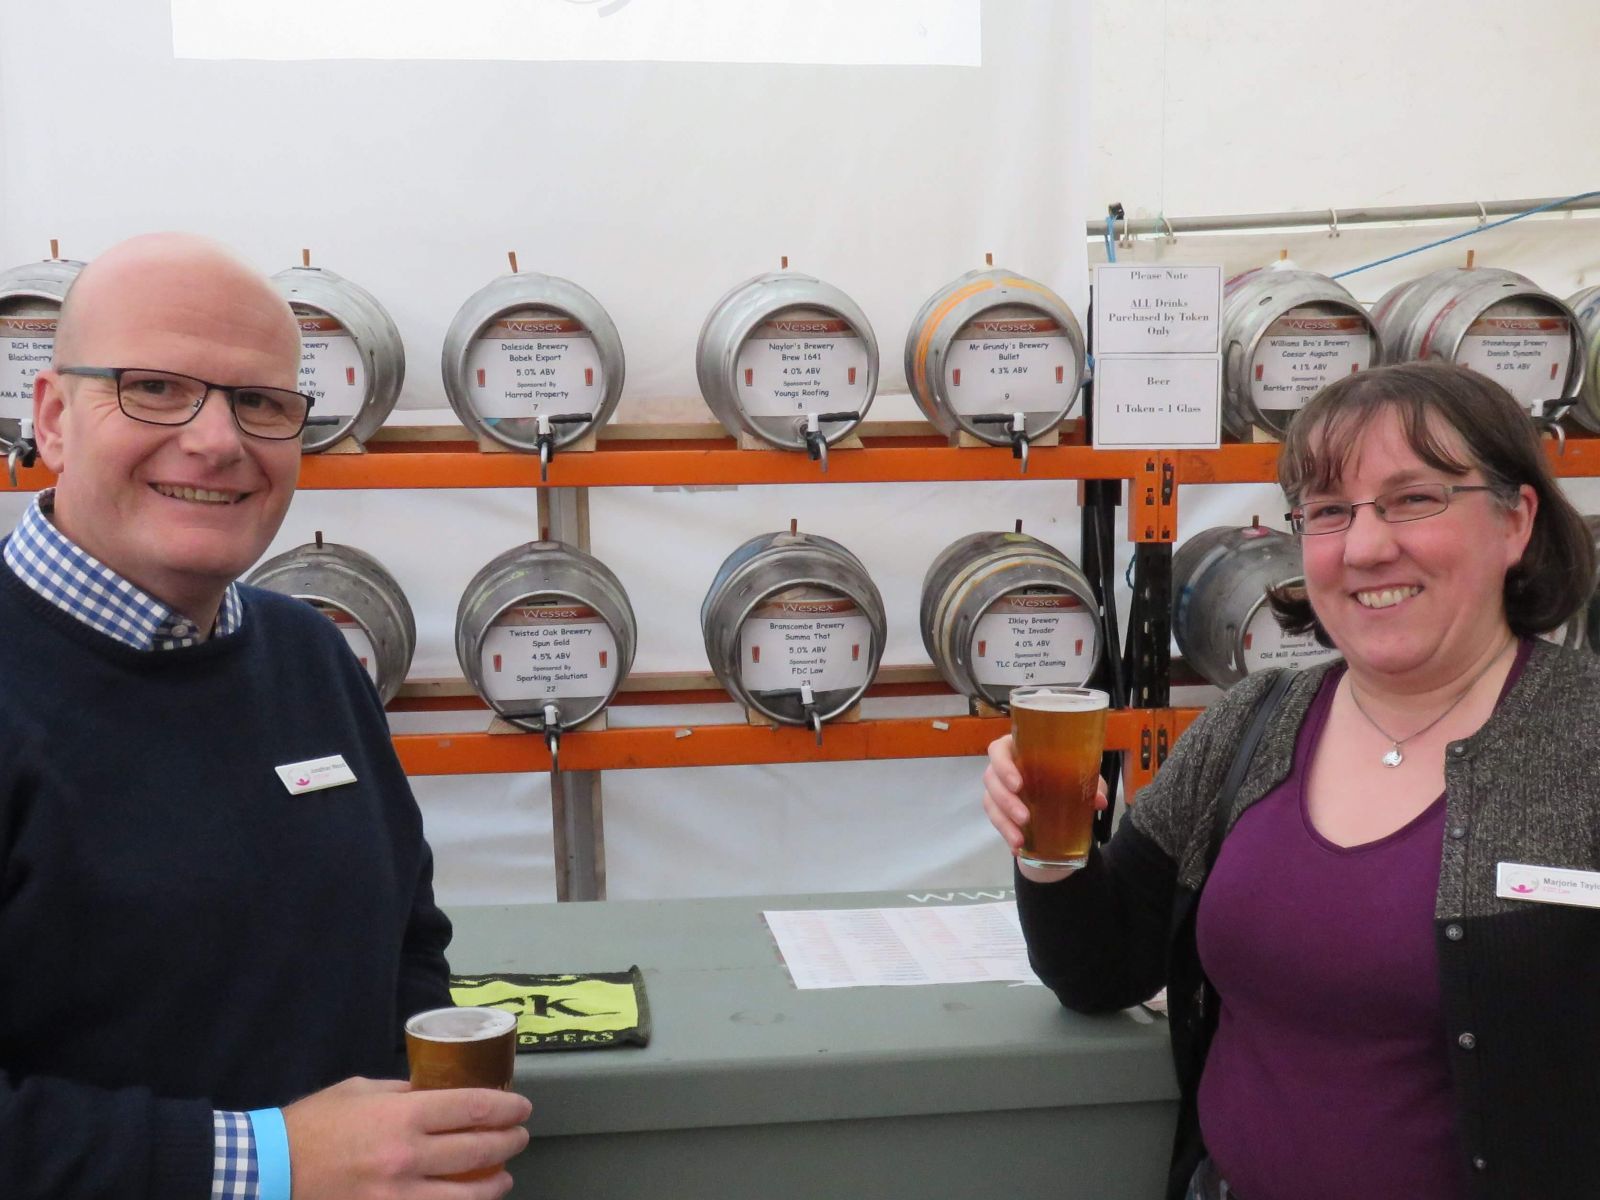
[{"x": 1060, "y": 734}]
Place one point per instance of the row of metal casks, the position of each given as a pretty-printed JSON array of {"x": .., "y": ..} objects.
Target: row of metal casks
[
  {"x": 534, "y": 362},
  {"x": 792, "y": 361},
  {"x": 794, "y": 627}
]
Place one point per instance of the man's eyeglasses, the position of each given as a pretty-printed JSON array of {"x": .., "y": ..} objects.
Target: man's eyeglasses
[
  {"x": 166, "y": 398},
  {"x": 1412, "y": 503}
]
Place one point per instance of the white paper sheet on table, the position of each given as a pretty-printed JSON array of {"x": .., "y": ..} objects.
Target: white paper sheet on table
[{"x": 898, "y": 947}]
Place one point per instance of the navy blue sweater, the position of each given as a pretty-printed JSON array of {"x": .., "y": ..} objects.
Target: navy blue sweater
[{"x": 177, "y": 932}]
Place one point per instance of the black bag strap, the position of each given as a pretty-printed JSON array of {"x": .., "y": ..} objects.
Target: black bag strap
[{"x": 1241, "y": 762}]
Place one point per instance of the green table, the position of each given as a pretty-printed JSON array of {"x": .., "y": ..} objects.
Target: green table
[{"x": 750, "y": 1088}]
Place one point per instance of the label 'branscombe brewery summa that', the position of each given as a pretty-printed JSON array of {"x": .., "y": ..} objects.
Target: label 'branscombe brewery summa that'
[
  {"x": 536, "y": 361},
  {"x": 1042, "y": 638},
  {"x": 332, "y": 371},
  {"x": 801, "y": 361},
  {"x": 1008, "y": 360},
  {"x": 26, "y": 346},
  {"x": 551, "y": 651},
  {"x": 1526, "y": 355},
  {"x": 825, "y": 641},
  {"x": 1299, "y": 355}
]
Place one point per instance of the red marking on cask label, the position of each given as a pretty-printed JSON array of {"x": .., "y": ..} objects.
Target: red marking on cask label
[
  {"x": 1077, "y": 648},
  {"x": 350, "y": 376},
  {"x": 749, "y": 377},
  {"x": 1247, "y": 638},
  {"x": 1061, "y": 374},
  {"x": 588, "y": 377},
  {"x": 1553, "y": 367},
  {"x": 855, "y": 652},
  {"x": 482, "y": 380},
  {"x": 755, "y": 654},
  {"x": 955, "y": 377},
  {"x": 1261, "y": 370},
  {"x": 602, "y": 658},
  {"x": 983, "y": 649},
  {"x": 852, "y": 374},
  {"x": 497, "y": 663}
]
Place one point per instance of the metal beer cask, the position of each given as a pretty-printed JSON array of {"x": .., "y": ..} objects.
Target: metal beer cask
[
  {"x": 1000, "y": 610},
  {"x": 352, "y": 361},
  {"x": 532, "y": 362},
  {"x": 1220, "y": 618},
  {"x": 355, "y": 592},
  {"x": 782, "y": 350},
  {"x": 30, "y": 301},
  {"x": 545, "y": 630},
  {"x": 1286, "y": 334},
  {"x": 1586, "y": 307},
  {"x": 991, "y": 345},
  {"x": 1497, "y": 322},
  {"x": 791, "y": 609}
]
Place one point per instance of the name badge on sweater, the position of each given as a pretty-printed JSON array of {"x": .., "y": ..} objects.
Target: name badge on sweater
[
  {"x": 315, "y": 774},
  {"x": 1548, "y": 885}
]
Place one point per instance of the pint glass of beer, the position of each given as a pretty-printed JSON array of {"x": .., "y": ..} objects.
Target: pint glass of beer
[
  {"x": 1059, "y": 734},
  {"x": 460, "y": 1048}
]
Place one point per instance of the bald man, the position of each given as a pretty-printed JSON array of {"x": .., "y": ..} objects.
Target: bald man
[{"x": 188, "y": 938}]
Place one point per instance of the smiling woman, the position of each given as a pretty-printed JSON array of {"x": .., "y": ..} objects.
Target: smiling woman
[{"x": 1349, "y": 993}]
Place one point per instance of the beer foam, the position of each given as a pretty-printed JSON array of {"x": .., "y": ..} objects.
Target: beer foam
[
  {"x": 1062, "y": 699},
  {"x": 460, "y": 1024}
]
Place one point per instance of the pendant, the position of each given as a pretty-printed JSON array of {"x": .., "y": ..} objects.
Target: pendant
[{"x": 1394, "y": 758}]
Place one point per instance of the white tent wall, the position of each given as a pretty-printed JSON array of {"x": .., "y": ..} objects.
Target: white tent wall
[{"x": 656, "y": 186}]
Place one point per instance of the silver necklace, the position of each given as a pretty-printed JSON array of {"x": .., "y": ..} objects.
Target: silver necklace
[{"x": 1393, "y": 758}]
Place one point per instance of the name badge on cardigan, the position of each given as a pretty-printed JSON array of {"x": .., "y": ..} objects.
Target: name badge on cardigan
[
  {"x": 315, "y": 774},
  {"x": 1547, "y": 885}
]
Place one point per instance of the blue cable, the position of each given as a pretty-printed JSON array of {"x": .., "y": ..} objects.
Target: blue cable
[
  {"x": 1454, "y": 237},
  {"x": 1111, "y": 242}
]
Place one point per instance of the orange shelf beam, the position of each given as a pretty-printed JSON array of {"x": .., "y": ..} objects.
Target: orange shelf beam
[
  {"x": 715, "y": 461},
  {"x": 724, "y": 745}
]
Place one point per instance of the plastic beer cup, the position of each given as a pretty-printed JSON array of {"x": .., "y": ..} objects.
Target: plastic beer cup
[
  {"x": 1059, "y": 734},
  {"x": 462, "y": 1048}
]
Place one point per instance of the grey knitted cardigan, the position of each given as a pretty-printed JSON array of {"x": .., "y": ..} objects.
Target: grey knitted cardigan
[{"x": 1520, "y": 980}]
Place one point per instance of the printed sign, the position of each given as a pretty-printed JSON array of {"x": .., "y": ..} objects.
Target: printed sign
[
  {"x": 1298, "y": 356},
  {"x": 1158, "y": 400},
  {"x": 1047, "y": 638},
  {"x": 1158, "y": 359},
  {"x": 1266, "y": 645},
  {"x": 552, "y": 651},
  {"x": 1528, "y": 356},
  {"x": 1157, "y": 310},
  {"x": 26, "y": 345},
  {"x": 532, "y": 362},
  {"x": 1009, "y": 360},
  {"x": 823, "y": 641},
  {"x": 800, "y": 361},
  {"x": 359, "y": 641},
  {"x": 332, "y": 372}
]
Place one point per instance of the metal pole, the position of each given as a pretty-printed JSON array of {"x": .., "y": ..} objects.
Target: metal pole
[
  {"x": 1329, "y": 218},
  {"x": 575, "y": 804}
]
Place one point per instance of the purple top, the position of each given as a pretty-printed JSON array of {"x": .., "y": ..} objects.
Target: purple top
[{"x": 1329, "y": 1075}]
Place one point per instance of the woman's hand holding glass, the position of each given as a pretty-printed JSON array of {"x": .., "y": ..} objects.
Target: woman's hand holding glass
[{"x": 1002, "y": 803}]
